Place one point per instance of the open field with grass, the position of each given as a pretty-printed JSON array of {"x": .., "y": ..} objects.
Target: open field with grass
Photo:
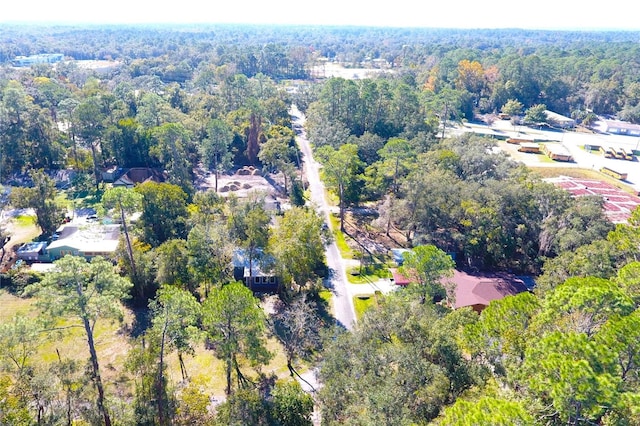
[
  {"x": 345, "y": 251},
  {"x": 113, "y": 343},
  {"x": 551, "y": 172},
  {"x": 11, "y": 305}
]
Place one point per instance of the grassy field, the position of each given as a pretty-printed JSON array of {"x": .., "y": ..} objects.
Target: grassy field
[
  {"x": 113, "y": 344},
  {"x": 368, "y": 274},
  {"x": 111, "y": 340},
  {"x": 550, "y": 172},
  {"x": 574, "y": 172},
  {"x": 25, "y": 221},
  {"x": 11, "y": 305}
]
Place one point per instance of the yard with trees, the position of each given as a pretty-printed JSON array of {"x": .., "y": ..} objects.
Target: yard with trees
[{"x": 169, "y": 331}]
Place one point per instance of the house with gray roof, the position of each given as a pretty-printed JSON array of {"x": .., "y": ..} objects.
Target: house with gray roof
[
  {"x": 618, "y": 127},
  {"x": 87, "y": 241}
]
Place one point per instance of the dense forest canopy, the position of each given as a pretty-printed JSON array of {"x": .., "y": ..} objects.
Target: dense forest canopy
[{"x": 195, "y": 103}]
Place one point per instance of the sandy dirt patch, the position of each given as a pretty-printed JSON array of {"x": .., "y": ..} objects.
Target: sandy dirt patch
[
  {"x": 20, "y": 233},
  {"x": 243, "y": 182}
]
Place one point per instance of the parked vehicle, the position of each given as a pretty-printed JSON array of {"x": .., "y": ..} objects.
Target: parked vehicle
[{"x": 613, "y": 173}]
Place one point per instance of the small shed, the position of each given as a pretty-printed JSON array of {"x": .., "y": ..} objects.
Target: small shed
[{"x": 398, "y": 255}]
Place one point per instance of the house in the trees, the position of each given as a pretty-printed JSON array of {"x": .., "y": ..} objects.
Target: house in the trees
[
  {"x": 138, "y": 175},
  {"x": 272, "y": 204},
  {"x": 111, "y": 174},
  {"x": 474, "y": 290},
  {"x": 256, "y": 273},
  {"x": 559, "y": 120},
  {"x": 86, "y": 241},
  {"x": 399, "y": 279},
  {"x": 398, "y": 255},
  {"x": 478, "y": 290},
  {"x": 42, "y": 58}
]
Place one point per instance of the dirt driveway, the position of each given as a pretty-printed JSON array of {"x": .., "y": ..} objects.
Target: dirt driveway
[{"x": 20, "y": 233}]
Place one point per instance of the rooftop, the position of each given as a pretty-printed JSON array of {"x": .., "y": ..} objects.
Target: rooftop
[
  {"x": 95, "y": 238},
  {"x": 33, "y": 247},
  {"x": 481, "y": 289}
]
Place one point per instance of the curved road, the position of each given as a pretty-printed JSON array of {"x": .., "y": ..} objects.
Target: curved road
[{"x": 342, "y": 299}]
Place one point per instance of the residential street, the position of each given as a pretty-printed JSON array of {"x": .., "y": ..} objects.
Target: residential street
[{"x": 342, "y": 298}]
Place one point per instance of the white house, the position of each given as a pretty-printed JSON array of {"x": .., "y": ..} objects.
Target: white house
[
  {"x": 87, "y": 241},
  {"x": 560, "y": 120},
  {"x": 618, "y": 127}
]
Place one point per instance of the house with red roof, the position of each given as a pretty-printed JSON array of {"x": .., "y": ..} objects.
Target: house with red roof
[
  {"x": 478, "y": 290},
  {"x": 399, "y": 279},
  {"x": 474, "y": 290}
]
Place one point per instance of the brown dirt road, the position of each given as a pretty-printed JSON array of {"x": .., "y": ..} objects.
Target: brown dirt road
[{"x": 20, "y": 233}]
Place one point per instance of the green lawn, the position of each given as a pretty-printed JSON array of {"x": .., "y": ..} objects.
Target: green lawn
[
  {"x": 341, "y": 241},
  {"x": 325, "y": 295},
  {"x": 363, "y": 302},
  {"x": 11, "y": 305},
  {"x": 24, "y": 221},
  {"x": 367, "y": 274}
]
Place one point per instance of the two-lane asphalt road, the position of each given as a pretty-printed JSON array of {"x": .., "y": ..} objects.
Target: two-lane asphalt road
[{"x": 342, "y": 299}]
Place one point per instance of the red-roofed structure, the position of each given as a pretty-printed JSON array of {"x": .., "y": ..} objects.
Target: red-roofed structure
[
  {"x": 476, "y": 291},
  {"x": 399, "y": 279},
  {"x": 479, "y": 290}
]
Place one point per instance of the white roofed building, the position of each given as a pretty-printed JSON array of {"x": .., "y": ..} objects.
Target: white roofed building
[{"x": 87, "y": 241}]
